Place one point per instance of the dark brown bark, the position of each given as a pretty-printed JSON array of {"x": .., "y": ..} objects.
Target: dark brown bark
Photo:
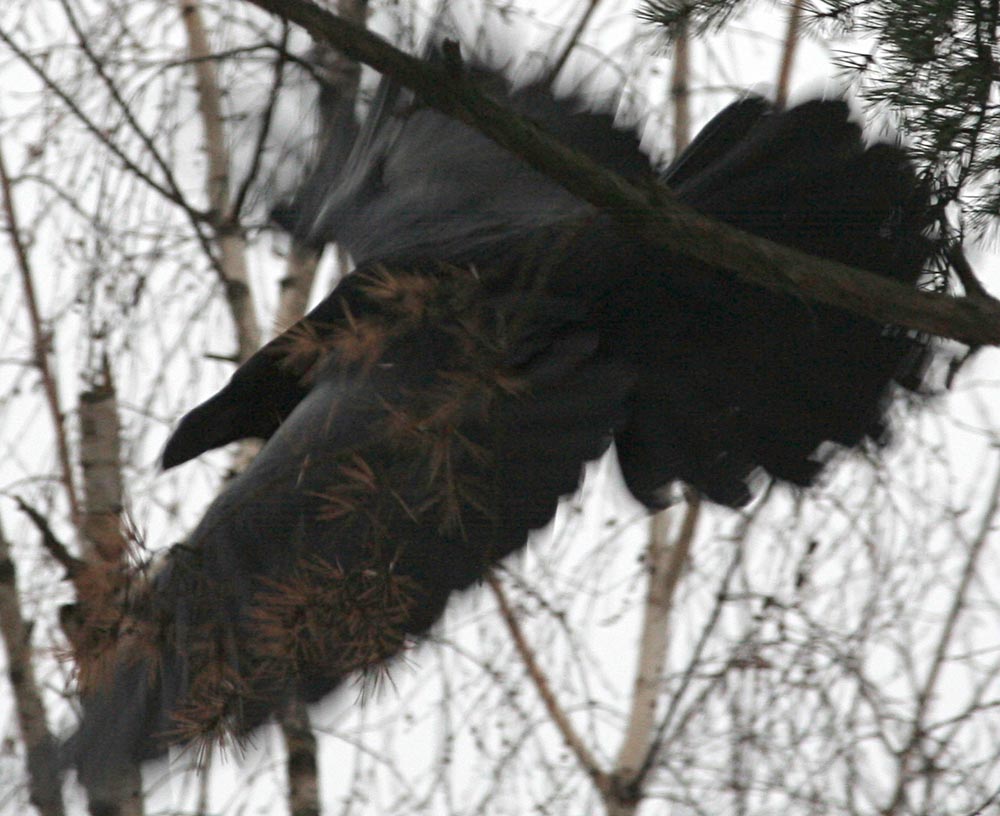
[{"x": 43, "y": 777}]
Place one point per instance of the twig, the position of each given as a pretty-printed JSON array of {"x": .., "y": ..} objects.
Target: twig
[
  {"x": 42, "y": 340},
  {"x": 661, "y": 736},
  {"x": 50, "y": 541},
  {"x": 583, "y": 755},
  {"x": 571, "y": 43},
  {"x": 906, "y": 754},
  {"x": 123, "y": 107},
  {"x": 265, "y": 127},
  {"x": 171, "y": 194}
]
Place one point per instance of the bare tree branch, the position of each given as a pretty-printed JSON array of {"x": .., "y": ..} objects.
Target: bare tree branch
[
  {"x": 43, "y": 774},
  {"x": 908, "y": 753},
  {"x": 267, "y": 117},
  {"x": 98, "y": 64},
  {"x": 100, "y": 457},
  {"x": 99, "y": 593},
  {"x": 588, "y": 762},
  {"x": 169, "y": 193},
  {"x": 229, "y": 236},
  {"x": 680, "y": 91},
  {"x": 339, "y": 77},
  {"x": 42, "y": 339},
  {"x": 662, "y": 734},
  {"x": 51, "y": 543},
  {"x": 571, "y": 42},
  {"x": 303, "y": 779},
  {"x": 788, "y": 53},
  {"x": 665, "y": 564}
]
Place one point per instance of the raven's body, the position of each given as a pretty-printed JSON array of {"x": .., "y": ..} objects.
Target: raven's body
[{"x": 497, "y": 335}]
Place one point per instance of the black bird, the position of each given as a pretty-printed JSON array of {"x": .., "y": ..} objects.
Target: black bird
[{"x": 497, "y": 334}]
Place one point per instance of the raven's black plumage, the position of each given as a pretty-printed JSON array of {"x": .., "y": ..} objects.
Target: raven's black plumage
[{"x": 497, "y": 334}]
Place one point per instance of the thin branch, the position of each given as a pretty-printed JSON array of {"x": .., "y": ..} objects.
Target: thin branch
[
  {"x": 44, "y": 786},
  {"x": 42, "y": 340},
  {"x": 195, "y": 217},
  {"x": 788, "y": 53},
  {"x": 928, "y": 689},
  {"x": 665, "y": 563},
  {"x": 53, "y": 546},
  {"x": 571, "y": 43},
  {"x": 172, "y": 195},
  {"x": 965, "y": 272},
  {"x": 680, "y": 90},
  {"x": 229, "y": 237},
  {"x": 265, "y": 127},
  {"x": 303, "y": 780},
  {"x": 123, "y": 107},
  {"x": 695, "y": 662},
  {"x": 296, "y": 286},
  {"x": 652, "y": 212},
  {"x": 583, "y": 755},
  {"x": 339, "y": 78}
]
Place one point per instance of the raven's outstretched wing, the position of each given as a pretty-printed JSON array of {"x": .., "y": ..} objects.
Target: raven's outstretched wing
[
  {"x": 432, "y": 410},
  {"x": 440, "y": 425}
]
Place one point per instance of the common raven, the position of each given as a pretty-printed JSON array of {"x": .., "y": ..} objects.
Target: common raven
[{"x": 497, "y": 334}]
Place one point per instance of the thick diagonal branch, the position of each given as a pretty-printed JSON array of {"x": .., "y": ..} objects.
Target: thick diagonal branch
[{"x": 653, "y": 213}]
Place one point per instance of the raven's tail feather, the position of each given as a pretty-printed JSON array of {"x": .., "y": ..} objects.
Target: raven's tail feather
[{"x": 742, "y": 379}]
